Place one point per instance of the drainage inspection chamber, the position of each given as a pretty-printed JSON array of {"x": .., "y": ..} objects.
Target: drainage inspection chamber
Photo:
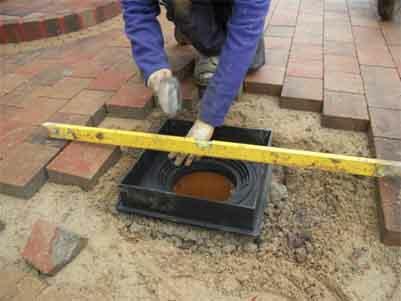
[{"x": 214, "y": 193}]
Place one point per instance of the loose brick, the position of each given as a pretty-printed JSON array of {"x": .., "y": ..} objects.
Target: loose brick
[
  {"x": 343, "y": 82},
  {"x": 383, "y": 87},
  {"x": 390, "y": 211},
  {"x": 109, "y": 80},
  {"x": 335, "y": 63},
  {"x": 31, "y": 30},
  {"x": 82, "y": 164},
  {"x": 131, "y": 101},
  {"x": 388, "y": 149},
  {"x": 385, "y": 123},
  {"x": 22, "y": 177},
  {"x": 345, "y": 111},
  {"x": 68, "y": 87},
  {"x": 38, "y": 110},
  {"x": 50, "y": 248},
  {"x": 266, "y": 80},
  {"x": 90, "y": 103},
  {"x": 302, "y": 94}
]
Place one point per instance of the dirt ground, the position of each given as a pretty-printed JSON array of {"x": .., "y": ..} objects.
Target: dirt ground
[{"x": 320, "y": 243}]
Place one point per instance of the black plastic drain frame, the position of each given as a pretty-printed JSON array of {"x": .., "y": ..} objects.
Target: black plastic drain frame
[{"x": 148, "y": 188}]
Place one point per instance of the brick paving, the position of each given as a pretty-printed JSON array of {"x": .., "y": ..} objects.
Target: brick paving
[
  {"x": 334, "y": 57},
  {"x": 28, "y": 20}
]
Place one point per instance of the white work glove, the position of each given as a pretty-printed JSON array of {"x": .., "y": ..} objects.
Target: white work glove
[
  {"x": 200, "y": 131},
  {"x": 167, "y": 91}
]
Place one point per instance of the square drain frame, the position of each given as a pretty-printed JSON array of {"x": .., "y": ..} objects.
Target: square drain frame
[{"x": 147, "y": 188}]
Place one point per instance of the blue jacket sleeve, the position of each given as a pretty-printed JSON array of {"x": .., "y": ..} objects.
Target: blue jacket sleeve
[
  {"x": 245, "y": 29},
  {"x": 144, "y": 32}
]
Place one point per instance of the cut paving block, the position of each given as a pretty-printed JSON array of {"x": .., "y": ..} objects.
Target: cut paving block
[
  {"x": 131, "y": 101},
  {"x": 302, "y": 94},
  {"x": 21, "y": 176},
  {"x": 388, "y": 149},
  {"x": 345, "y": 111},
  {"x": 266, "y": 80},
  {"x": 82, "y": 164},
  {"x": 90, "y": 103},
  {"x": 390, "y": 211},
  {"x": 385, "y": 123},
  {"x": 50, "y": 247}
]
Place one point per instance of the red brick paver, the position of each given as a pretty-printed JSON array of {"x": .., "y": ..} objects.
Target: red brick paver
[{"x": 82, "y": 164}]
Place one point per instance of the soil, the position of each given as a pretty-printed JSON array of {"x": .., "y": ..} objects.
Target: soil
[{"x": 319, "y": 242}]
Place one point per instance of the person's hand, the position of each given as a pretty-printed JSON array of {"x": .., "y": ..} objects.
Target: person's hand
[
  {"x": 200, "y": 131},
  {"x": 166, "y": 89}
]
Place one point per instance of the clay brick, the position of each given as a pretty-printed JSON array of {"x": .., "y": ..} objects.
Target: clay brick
[
  {"x": 308, "y": 38},
  {"x": 109, "y": 80},
  {"x": 280, "y": 31},
  {"x": 29, "y": 288},
  {"x": 266, "y": 80},
  {"x": 34, "y": 68},
  {"x": 90, "y": 103},
  {"x": 75, "y": 119},
  {"x": 32, "y": 30},
  {"x": 68, "y": 87},
  {"x": 392, "y": 33},
  {"x": 385, "y": 123},
  {"x": 345, "y": 111},
  {"x": 86, "y": 69},
  {"x": 50, "y": 248},
  {"x": 82, "y": 164},
  {"x": 339, "y": 48},
  {"x": 51, "y": 76},
  {"x": 308, "y": 69},
  {"x": 302, "y": 94},
  {"x": 390, "y": 211},
  {"x": 71, "y": 23},
  {"x": 87, "y": 18},
  {"x": 383, "y": 87},
  {"x": 53, "y": 27},
  {"x": 38, "y": 110},
  {"x": 9, "y": 278},
  {"x": 131, "y": 101},
  {"x": 11, "y": 81},
  {"x": 366, "y": 36},
  {"x": 347, "y": 64},
  {"x": 343, "y": 82},
  {"x": 22, "y": 177},
  {"x": 16, "y": 134},
  {"x": 277, "y": 43},
  {"x": 388, "y": 149}
]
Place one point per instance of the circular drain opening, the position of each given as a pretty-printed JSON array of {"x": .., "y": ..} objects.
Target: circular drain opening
[
  {"x": 205, "y": 185},
  {"x": 241, "y": 176}
]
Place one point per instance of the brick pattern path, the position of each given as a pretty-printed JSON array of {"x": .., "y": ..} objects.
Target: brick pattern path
[
  {"x": 28, "y": 20},
  {"x": 332, "y": 57}
]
